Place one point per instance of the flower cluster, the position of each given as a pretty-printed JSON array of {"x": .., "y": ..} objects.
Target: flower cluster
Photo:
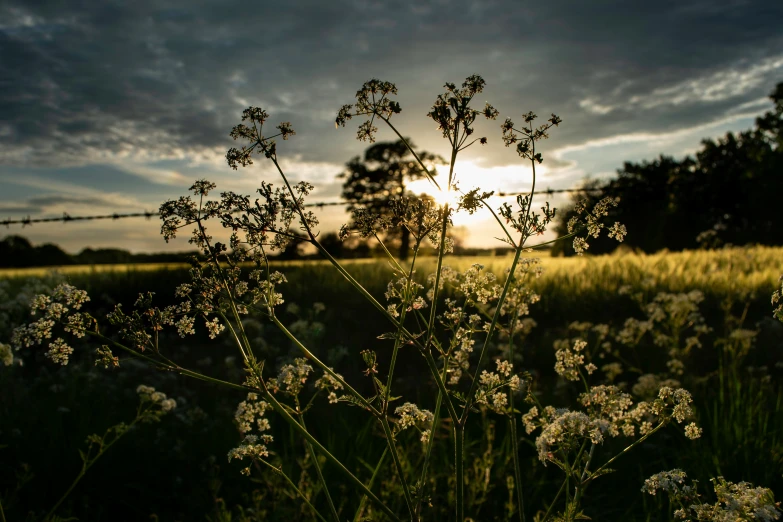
[
  {"x": 291, "y": 378},
  {"x": 249, "y": 415},
  {"x": 740, "y": 501},
  {"x": 490, "y": 391},
  {"x": 608, "y": 412},
  {"x": 591, "y": 221},
  {"x": 777, "y": 295},
  {"x": 568, "y": 360},
  {"x": 154, "y": 404},
  {"x": 412, "y": 415},
  {"x": 57, "y": 308},
  {"x": 330, "y": 385},
  {"x": 405, "y": 291}
]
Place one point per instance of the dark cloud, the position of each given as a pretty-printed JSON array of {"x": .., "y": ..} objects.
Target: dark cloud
[
  {"x": 82, "y": 83},
  {"x": 163, "y": 76}
]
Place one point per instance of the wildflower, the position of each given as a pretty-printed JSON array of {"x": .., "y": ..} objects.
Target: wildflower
[
  {"x": 59, "y": 351},
  {"x": 692, "y": 431},
  {"x": 410, "y": 415},
  {"x": 251, "y": 411},
  {"x": 106, "y": 357},
  {"x": 6, "y": 354},
  {"x": 330, "y": 384},
  {"x": 250, "y": 448},
  {"x": 185, "y": 326},
  {"x": 568, "y": 361},
  {"x": 214, "y": 327},
  {"x": 566, "y": 431},
  {"x": 580, "y": 245},
  {"x": 292, "y": 377},
  {"x": 668, "y": 481},
  {"x": 618, "y": 232}
]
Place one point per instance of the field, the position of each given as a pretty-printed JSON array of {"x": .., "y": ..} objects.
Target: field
[{"x": 177, "y": 469}]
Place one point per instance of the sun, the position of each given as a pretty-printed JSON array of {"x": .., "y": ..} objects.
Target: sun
[{"x": 466, "y": 174}]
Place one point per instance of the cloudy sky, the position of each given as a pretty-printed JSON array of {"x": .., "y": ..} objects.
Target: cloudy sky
[{"x": 111, "y": 106}]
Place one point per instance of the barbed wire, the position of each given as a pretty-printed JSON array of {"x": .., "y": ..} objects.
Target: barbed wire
[{"x": 28, "y": 221}]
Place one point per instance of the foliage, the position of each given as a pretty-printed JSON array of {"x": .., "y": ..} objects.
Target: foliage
[
  {"x": 726, "y": 195},
  {"x": 381, "y": 177},
  {"x": 431, "y": 450}
]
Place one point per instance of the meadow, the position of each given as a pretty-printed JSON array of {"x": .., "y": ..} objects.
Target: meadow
[
  {"x": 622, "y": 387},
  {"x": 177, "y": 469}
]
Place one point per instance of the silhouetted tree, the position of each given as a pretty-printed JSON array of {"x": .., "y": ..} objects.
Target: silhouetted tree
[
  {"x": 383, "y": 174},
  {"x": 732, "y": 188}
]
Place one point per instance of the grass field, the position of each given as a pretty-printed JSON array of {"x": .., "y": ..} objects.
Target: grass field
[{"x": 177, "y": 469}]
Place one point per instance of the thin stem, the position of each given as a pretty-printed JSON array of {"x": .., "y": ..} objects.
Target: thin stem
[
  {"x": 554, "y": 501},
  {"x": 642, "y": 439},
  {"x": 360, "y": 511},
  {"x": 513, "y": 423},
  {"x": 324, "y": 367},
  {"x": 459, "y": 465},
  {"x": 88, "y": 462},
  {"x": 429, "y": 175},
  {"x": 517, "y": 468},
  {"x": 318, "y": 471},
  {"x": 280, "y": 472},
  {"x": 279, "y": 408},
  {"x": 2, "y": 513},
  {"x": 431, "y": 442},
  {"x": 400, "y": 472}
]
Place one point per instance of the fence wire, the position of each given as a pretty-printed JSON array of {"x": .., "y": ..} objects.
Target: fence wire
[{"x": 66, "y": 217}]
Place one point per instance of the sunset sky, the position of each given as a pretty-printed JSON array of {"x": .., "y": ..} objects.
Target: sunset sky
[{"x": 113, "y": 106}]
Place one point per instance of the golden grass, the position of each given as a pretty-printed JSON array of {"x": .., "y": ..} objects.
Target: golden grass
[{"x": 729, "y": 270}]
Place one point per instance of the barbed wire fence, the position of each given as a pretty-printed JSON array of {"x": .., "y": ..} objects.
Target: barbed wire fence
[{"x": 66, "y": 217}]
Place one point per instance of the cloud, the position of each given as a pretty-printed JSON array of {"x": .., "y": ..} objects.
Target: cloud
[{"x": 151, "y": 91}]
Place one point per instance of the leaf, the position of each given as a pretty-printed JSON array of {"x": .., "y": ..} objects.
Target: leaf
[
  {"x": 379, "y": 384},
  {"x": 354, "y": 401},
  {"x": 600, "y": 473}
]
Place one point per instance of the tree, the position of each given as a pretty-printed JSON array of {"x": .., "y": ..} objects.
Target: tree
[
  {"x": 383, "y": 175},
  {"x": 730, "y": 190}
]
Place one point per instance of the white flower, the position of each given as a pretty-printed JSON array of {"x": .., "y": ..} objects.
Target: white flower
[{"x": 692, "y": 431}]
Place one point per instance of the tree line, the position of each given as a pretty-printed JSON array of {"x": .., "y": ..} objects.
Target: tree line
[{"x": 727, "y": 195}]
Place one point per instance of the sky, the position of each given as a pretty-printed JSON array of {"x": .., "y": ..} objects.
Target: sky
[{"x": 114, "y": 106}]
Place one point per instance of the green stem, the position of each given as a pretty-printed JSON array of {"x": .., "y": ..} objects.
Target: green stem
[
  {"x": 88, "y": 462},
  {"x": 459, "y": 464},
  {"x": 426, "y": 171},
  {"x": 431, "y": 442},
  {"x": 517, "y": 468},
  {"x": 397, "y": 464},
  {"x": 279, "y": 408},
  {"x": 280, "y": 472},
  {"x": 360, "y": 511},
  {"x": 554, "y": 501},
  {"x": 324, "y": 367},
  {"x": 623, "y": 452},
  {"x": 319, "y": 472}
]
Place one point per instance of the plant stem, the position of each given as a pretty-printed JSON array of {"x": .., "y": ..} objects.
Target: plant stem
[
  {"x": 623, "y": 452},
  {"x": 392, "y": 446},
  {"x": 554, "y": 501},
  {"x": 280, "y": 472},
  {"x": 324, "y": 367},
  {"x": 459, "y": 465},
  {"x": 318, "y": 471},
  {"x": 431, "y": 443},
  {"x": 279, "y": 408},
  {"x": 369, "y": 485}
]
